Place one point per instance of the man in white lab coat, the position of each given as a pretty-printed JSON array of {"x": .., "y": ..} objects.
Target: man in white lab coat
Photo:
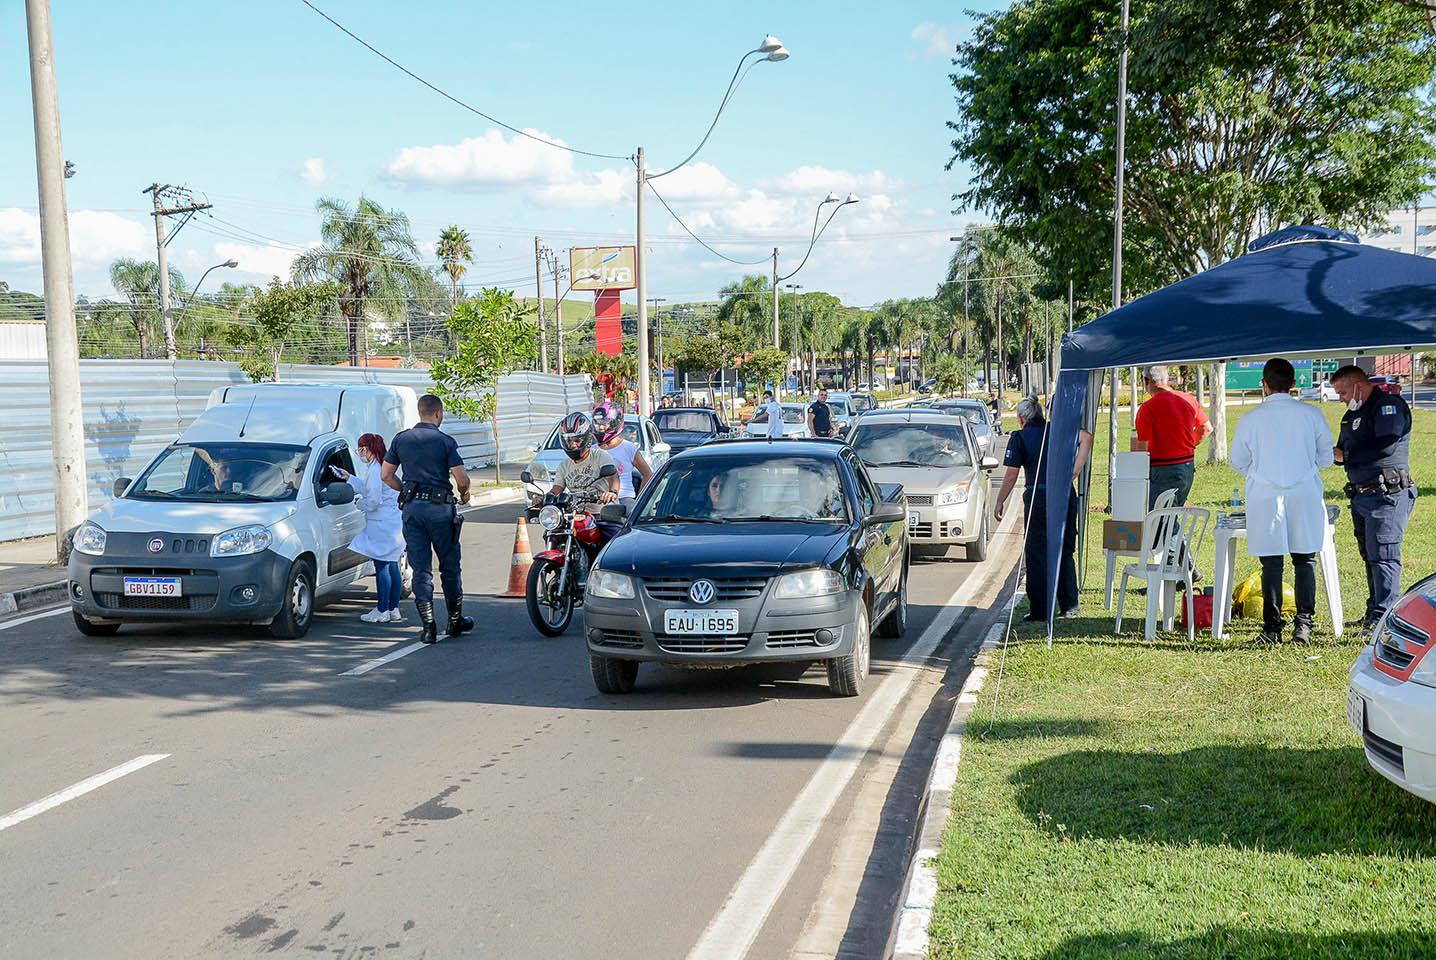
[{"x": 1281, "y": 448}]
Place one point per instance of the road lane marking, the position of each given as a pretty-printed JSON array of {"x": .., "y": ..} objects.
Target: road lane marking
[
  {"x": 33, "y": 617},
  {"x": 731, "y": 932},
  {"x": 78, "y": 790},
  {"x": 364, "y": 668}
]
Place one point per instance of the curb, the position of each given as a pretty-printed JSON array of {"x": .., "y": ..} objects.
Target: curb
[
  {"x": 914, "y": 913},
  {"x": 492, "y": 497},
  {"x": 40, "y": 595}
]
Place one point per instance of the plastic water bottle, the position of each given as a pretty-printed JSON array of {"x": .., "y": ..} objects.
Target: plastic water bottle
[{"x": 1236, "y": 502}]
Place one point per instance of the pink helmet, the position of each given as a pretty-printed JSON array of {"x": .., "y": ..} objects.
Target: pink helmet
[{"x": 607, "y": 421}]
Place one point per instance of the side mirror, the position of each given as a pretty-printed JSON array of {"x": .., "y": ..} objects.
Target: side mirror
[
  {"x": 613, "y": 512},
  {"x": 121, "y": 485},
  {"x": 526, "y": 477},
  {"x": 888, "y": 512},
  {"x": 990, "y": 463},
  {"x": 608, "y": 471},
  {"x": 335, "y": 494}
]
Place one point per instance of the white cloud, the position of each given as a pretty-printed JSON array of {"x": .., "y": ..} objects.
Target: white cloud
[
  {"x": 818, "y": 181},
  {"x": 697, "y": 181},
  {"x": 490, "y": 160},
  {"x": 96, "y": 236},
  {"x": 314, "y": 172},
  {"x": 606, "y": 188},
  {"x": 936, "y": 39},
  {"x": 522, "y": 46},
  {"x": 269, "y": 260}
]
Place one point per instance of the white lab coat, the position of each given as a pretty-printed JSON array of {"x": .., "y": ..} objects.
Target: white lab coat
[
  {"x": 383, "y": 535},
  {"x": 1281, "y": 448}
]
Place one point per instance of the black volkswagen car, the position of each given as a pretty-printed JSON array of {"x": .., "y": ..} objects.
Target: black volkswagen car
[
  {"x": 686, "y": 427},
  {"x": 751, "y": 551}
]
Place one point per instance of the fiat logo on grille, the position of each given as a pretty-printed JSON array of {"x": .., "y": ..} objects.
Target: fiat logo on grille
[
  {"x": 702, "y": 591},
  {"x": 156, "y": 545}
]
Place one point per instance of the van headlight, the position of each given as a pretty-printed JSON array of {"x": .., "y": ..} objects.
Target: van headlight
[
  {"x": 241, "y": 541},
  {"x": 89, "y": 539},
  {"x": 957, "y": 494},
  {"x": 550, "y": 518},
  {"x": 821, "y": 582},
  {"x": 610, "y": 585}
]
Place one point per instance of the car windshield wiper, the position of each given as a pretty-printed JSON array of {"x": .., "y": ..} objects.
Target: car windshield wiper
[
  {"x": 680, "y": 518},
  {"x": 901, "y": 463},
  {"x": 770, "y": 518}
]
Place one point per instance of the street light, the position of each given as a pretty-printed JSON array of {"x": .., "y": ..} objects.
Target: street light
[
  {"x": 793, "y": 289},
  {"x": 770, "y": 50},
  {"x": 231, "y": 264},
  {"x": 812, "y": 241}
]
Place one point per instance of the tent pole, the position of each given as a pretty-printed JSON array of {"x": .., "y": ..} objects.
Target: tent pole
[
  {"x": 1111, "y": 434},
  {"x": 1084, "y": 482},
  {"x": 1134, "y": 398}
]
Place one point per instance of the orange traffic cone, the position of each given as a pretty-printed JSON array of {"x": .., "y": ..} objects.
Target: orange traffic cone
[{"x": 523, "y": 559}]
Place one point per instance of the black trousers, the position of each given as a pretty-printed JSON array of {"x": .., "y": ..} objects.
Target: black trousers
[
  {"x": 429, "y": 529},
  {"x": 1304, "y": 571},
  {"x": 1035, "y": 554},
  {"x": 1379, "y": 522}
]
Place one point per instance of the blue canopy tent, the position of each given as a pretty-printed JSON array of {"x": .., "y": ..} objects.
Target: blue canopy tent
[{"x": 1301, "y": 291}]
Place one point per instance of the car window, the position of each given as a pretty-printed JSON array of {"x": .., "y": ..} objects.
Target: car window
[
  {"x": 912, "y": 444},
  {"x": 630, "y": 432},
  {"x": 684, "y": 421},
  {"x": 652, "y": 432},
  {"x": 222, "y": 472},
  {"x": 748, "y": 488},
  {"x": 335, "y": 456},
  {"x": 867, "y": 490}
]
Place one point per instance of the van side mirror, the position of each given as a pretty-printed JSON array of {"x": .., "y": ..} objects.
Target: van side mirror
[
  {"x": 662, "y": 448},
  {"x": 609, "y": 470},
  {"x": 335, "y": 494},
  {"x": 121, "y": 485}
]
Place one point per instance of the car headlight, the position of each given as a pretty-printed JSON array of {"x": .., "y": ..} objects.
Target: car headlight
[
  {"x": 957, "y": 494},
  {"x": 821, "y": 582},
  {"x": 550, "y": 517},
  {"x": 610, "y": 585},
  {"x": 242, "y": 541},
  {"x": 538, "y": 471},
  {"x": 89, "y": 539}
]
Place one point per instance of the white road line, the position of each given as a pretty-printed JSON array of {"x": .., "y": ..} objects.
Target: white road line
[
  {"x": 8, "y": 624},
  {"x": 364, "y": 668},
  {"x": 78, "y": 790},
  {"x": 731, "y": 932}
]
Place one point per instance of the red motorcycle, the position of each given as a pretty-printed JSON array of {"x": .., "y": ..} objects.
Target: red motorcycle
[{"x": 559, "y": 573}]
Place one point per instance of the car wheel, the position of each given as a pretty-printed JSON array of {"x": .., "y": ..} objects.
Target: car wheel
[
  {"x": 894, "y": 625},
  {"x": 91, "y": 629},
  {"x": 611, "y": 675},
  {"x": 846, "y": 675},
  {"x": 297, "y": 614},
  {"x": 977, "y": 549}
]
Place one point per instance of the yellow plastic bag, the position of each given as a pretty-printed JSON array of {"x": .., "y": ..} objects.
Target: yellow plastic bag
[{"x": 1247, "y": 599}]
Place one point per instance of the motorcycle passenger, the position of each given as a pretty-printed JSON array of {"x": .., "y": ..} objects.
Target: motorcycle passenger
[
  {"x": 579, "y": 474},
  {"x": 608, "y": 425}
]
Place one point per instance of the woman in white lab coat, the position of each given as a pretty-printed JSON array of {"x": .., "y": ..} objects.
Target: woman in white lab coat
[
  {"x": 1281, "y": 448},
  {"x": 382, "y": 539}
]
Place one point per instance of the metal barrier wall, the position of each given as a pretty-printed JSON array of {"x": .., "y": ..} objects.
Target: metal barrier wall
[{"x": 134, "y": 408}]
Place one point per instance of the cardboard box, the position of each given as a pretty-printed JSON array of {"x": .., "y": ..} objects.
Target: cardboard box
[
  {"x": 1139, "y": 446},
  {"x": 1122, "y": 535}
]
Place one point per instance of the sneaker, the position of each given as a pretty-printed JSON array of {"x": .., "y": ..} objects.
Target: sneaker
[
  {"x": 394, "y": 616},
  {"x": 1071, "y": 614},
  {"x": 1035, "y": 618},
  {"x": 374, "y": 616},
  {"x": 1301, "y": 633}
]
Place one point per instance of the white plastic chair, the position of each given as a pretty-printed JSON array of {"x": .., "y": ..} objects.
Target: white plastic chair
[
  {"x": 1165, "y": 499},
  {"x": 1169, "y": 538}
]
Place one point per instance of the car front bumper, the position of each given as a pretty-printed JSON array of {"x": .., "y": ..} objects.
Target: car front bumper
[
  {"x": 213, "y": 589},
  {"x": 1396, "y": 721},
  {"x": 939, "y": 526},
  {"x": 769, "y": 631}
]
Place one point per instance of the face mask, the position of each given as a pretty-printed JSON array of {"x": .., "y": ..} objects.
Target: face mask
[{"x": 1354, "y": 405}]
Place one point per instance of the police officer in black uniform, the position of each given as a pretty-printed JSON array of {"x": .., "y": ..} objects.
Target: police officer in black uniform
[
  {"x": 429, "y": 458},
  {"x": 1375, "y": 447}
]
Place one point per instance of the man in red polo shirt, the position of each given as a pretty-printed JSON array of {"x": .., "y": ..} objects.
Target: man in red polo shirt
[{"x": 1173, "y": 424}]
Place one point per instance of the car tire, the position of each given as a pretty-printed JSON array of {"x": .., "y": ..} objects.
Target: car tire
[
  {"x": 846, "y": 675},
  {"x": 977, "y": 549},
  {"x": 92, "y": 629},
  {"x": 611, "y": 675},
  {"x": 894, "y": 625},
  {"x": 297, "y": 613}
]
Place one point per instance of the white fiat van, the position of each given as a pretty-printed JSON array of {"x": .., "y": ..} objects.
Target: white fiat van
[{"x": 238, "y": 520}]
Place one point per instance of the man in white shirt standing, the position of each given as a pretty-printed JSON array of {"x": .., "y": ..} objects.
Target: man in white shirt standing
[
  {"x": 1281, "y": 448},
  {"x": 774, "y": 409}
]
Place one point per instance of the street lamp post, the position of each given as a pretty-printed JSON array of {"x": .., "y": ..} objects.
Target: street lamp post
[
  {"x": 772, "y": 51},
  {"x": 812, "y": 241},
  {"x": 793, "y": 289},
  {"x": 194, "y": 292}
]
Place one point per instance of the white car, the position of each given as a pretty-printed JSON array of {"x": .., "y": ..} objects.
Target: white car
[
  {"x": 1321, "y": 391},
  {"x": 641, "y": 430},
  {"x": 1391, "y": 701},
  {"x": 795, "y": 422}
]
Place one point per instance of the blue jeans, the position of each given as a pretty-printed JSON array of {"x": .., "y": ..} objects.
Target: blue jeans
[{"x": 391, "y": 584}]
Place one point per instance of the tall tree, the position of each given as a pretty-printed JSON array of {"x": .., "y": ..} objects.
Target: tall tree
[
  {"x": 455, "y": 253},
  {"x": 748, "y": 305},
  {"x": 273, "y": 317},
  {"x": 138, "y": 281},
  {"x": 369, "y": 254}
]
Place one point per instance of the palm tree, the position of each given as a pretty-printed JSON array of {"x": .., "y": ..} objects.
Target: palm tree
[
  {"x": 138, "y": 281},
  {"x": 454, "y": 252},
  {"x": 370, "y": 254},
  {"x": 747, "y": 304}
]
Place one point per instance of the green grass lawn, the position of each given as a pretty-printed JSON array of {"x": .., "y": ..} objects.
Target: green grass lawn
[{"x": 1119, "y": 798}]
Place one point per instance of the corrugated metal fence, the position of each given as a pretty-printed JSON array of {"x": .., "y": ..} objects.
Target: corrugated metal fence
[{"x": 133, "y": 408}]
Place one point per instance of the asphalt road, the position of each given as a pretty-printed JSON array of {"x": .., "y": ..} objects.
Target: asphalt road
[{"x": 477, "y": 798}]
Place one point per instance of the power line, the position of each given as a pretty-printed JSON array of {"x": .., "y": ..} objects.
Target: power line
[
  {"x": 449, "y": 96},
  {"x": 679, "y": 220}
]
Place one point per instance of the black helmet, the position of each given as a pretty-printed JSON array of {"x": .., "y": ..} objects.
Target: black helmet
[{"x": 575, "y": 434}]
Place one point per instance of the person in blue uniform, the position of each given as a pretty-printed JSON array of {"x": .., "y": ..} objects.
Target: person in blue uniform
[
  {"x": 429, "y": 459},
  {"x": 1026, "y": 456},
  {"x": 1375, "y": 447}
]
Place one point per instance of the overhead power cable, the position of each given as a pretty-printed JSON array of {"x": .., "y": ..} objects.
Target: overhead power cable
[
  {"x": 717, "y": 253},
  {"x": 450, "y": 97}
]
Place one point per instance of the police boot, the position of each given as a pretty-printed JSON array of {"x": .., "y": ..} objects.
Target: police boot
[
  {"x": 428, "y": 630},
  {"x": 458, "y": 623}
]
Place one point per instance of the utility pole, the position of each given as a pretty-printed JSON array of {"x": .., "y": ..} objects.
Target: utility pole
[
  {"x": 186, "y": 205},
  {"x": 775, "y": 297},
  {"x": 659, "y": 318},
  {"x": 640, "y": 264},
  {"x": 538, "y": 286},
  {"x": 557, "y": 309},
  {"x": 67, "y": 419}
]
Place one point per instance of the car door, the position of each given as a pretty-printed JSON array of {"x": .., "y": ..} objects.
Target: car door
[
  {"x": 657, "y": 452},
  {"x": 876, "y": 542},
  {"x": 335, "y": 525}
]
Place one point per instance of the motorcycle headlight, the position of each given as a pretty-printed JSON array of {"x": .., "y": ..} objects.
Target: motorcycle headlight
[
  {"x": 821, "y": 582},
  {"x": 550, "y": 517},
  {"x": 241, "y": 541},
  {"x": 89, "y": 539},
  {"x": 957, "y": 494},
  {"x": 610, "y": 585}
]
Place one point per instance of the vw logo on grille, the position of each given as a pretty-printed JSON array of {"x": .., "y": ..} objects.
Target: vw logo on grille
[
  {"x": 156, "y": 545},
  {"x": 702, "y": 591}
]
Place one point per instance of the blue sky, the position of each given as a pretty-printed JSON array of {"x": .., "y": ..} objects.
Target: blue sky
[{"x": 263, "y": 107}]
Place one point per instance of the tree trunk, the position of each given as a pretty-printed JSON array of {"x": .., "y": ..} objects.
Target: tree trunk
[
  {"x": 352, "y": 322},
  {"x": 1217, "y": 448},
  {"x": 1001, "y": 353},
  {"x": 494, "y": 421}
]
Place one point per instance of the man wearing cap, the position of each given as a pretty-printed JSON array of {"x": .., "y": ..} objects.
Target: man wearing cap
[{"x": 1173, "y": 424}]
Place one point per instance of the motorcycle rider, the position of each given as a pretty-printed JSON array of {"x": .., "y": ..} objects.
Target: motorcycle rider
[
  {"x": 608, "y": 425},
  {"x": 579, "y": 474}
]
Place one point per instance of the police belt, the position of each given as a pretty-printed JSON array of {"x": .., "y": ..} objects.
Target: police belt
[
  {"x": 1392, "y": 480},
  {"x": 429, "y": 494}
]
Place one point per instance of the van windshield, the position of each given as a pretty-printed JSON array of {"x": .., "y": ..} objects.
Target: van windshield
[{"x": 223, "y": 473}]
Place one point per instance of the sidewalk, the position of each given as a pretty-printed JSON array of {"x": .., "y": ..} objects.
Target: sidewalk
[{"x": 29, "y": 576}]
